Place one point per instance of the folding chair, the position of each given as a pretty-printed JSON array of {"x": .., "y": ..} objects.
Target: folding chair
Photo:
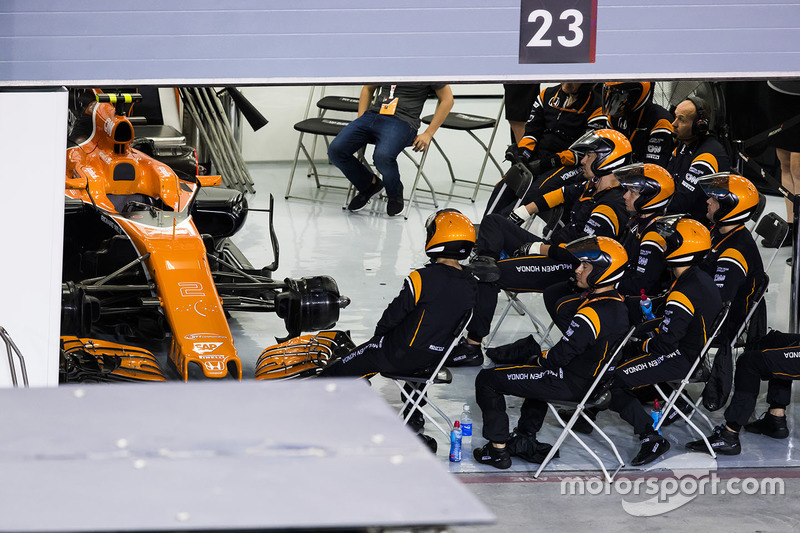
[
  {"x": 469, "y": 123},
  {"x": 414, "y": 388},
  {"x": 594, "y": 397},
  {"x": 514, "y": 302},
  {"x": 551, "y": 224},
  {"x": 693, "y": 377}
]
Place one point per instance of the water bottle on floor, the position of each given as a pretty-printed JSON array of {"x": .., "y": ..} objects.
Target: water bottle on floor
[
  {"x": 466, "y": 421},
  {"x": 656, "y": 413},
  {"x": 455, "y": 442}
]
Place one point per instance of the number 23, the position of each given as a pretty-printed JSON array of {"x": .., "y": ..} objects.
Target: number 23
[{"x": 547, "y": 17}]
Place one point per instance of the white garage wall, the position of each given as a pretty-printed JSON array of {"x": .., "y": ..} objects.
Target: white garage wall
[{"x": 33, "y": 140}]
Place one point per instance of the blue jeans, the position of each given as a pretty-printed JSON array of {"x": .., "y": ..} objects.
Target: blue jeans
[{"x": 389, "y": 134}]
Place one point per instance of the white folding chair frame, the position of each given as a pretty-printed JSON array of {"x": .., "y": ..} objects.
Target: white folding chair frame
[
  {"x": 413, "y": 399},
  {"x": 580, "y": 412},
  {"x": 513, "y": 301},
  {"x": 678, "y": 392}
]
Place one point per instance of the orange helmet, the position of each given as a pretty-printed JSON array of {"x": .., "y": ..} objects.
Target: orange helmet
[
  {"x": 687, "y": 240},
  {"x": 607, "y": 257},
  {"x": 737, "y": 197},
  {"x": 621, "y": 97},
  {"x": 613, "y": 150},
  {"x": 653, "y": 183},
  {"x": 449, "y": 234}
]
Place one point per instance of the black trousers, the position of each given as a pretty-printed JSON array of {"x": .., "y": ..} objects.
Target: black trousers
[
  {"x": 647, "y": 369},
  {"x": 374, "y": 356},
  {"x": 505, "y": 199},
  {"x": 532, "y": 273},
  {"x": 778, "y": 363},
  {"x": 534, "y": 383}
]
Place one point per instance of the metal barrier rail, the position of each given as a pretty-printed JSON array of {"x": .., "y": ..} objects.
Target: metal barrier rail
[{"x": 12, "y": 349}]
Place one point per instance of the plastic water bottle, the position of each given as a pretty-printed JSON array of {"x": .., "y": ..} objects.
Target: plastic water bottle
[
  {"x": 466, "y": 421},
  {"x": 455, "y": 442},
  {"x": 647, "y": 307},
  {"x": 656, "y": 413}
]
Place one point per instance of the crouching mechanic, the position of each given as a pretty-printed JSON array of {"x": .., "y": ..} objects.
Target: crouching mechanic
[
  {"x": 417, "y": 325},
  {"x": 692, "y": 305},
  {"x": 537, "y": 264},
  {"x": 567, "y": 370}
]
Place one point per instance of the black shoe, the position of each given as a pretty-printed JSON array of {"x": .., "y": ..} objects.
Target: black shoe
[
  {"x": 416, "y": 422},
  {"x": 789, "y": 261},
  {"x": 653, "y": 447},
  {"x": 581, "y": 425},
  {"x": 496, "y": 457},
  {"x": 526, "y": 447},
  {"x": 673, "y": 416},
  {"x": 722, "y": 440},
  {"x": 394, "y": 206},
  {"x": 429, "y": 441},
  {"x": 363, "y": 197},
  {"x": 769, "y": 425},
  {"x": 465, "y": 354},
  {"x": 484, "y": 268}
]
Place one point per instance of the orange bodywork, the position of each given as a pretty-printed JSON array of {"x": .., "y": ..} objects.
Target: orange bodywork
[
  {"x": 126, "y": 361},
  {"x": 177, "y": 262}
]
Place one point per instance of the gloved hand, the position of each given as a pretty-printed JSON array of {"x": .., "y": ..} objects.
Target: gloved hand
[
  {"x": 529, "y": 248},
  {"x": 519, "y": 215},
  {"x": 512, "y": 153}
]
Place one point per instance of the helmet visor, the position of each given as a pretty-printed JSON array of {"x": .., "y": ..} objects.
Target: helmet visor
[
  {"x": 585, "y": 249},
  {"x": 665, "y": 226},
  {"x": 614, "y": 100},
  {"x": 716, "y": 185},
  {"x": 588, "y": 143},
  {"x": 632, "y": 177}
]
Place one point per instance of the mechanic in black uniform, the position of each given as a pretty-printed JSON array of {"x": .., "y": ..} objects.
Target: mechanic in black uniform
[
  {"x": 598, "y": 210},
  {"x": 629, "y": 108},
  {"x": 692, "y": 305},
  {"x": 567, "y": 370},
  {"x": 417, "y": 325},
  {"x": 697, "y": 154},
  {"x": 560, "y": 115},
  {"x": 734, "y": 260},
  {"x": 777, "y": 361},
  {"x": 649, "y": 189}
]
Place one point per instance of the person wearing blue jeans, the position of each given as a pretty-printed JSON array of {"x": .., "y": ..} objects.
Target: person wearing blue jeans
[{"x": 390, "y": 121}]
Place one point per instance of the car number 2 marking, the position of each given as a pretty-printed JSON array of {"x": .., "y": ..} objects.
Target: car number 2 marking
[{"x": 191, "y": 288}]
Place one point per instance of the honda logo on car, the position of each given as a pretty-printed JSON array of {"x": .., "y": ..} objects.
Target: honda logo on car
[
  {"x": 214, "y": 366},
  {"x": 206, "y": 347}
]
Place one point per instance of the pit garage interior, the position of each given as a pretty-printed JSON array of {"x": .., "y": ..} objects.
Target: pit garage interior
[{"x": 219, "y": 455}]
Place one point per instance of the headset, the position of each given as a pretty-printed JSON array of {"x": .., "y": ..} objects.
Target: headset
[{"x": 700, "y": 126}]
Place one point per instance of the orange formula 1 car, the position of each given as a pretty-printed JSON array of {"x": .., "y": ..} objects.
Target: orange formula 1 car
[{"x": 147, "y": 253}]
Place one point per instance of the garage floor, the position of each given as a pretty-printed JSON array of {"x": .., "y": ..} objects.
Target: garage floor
[{"x": 368, "y": 254}]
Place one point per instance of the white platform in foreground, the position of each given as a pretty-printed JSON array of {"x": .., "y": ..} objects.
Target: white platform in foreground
[{"x": 316, "y": 454}]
